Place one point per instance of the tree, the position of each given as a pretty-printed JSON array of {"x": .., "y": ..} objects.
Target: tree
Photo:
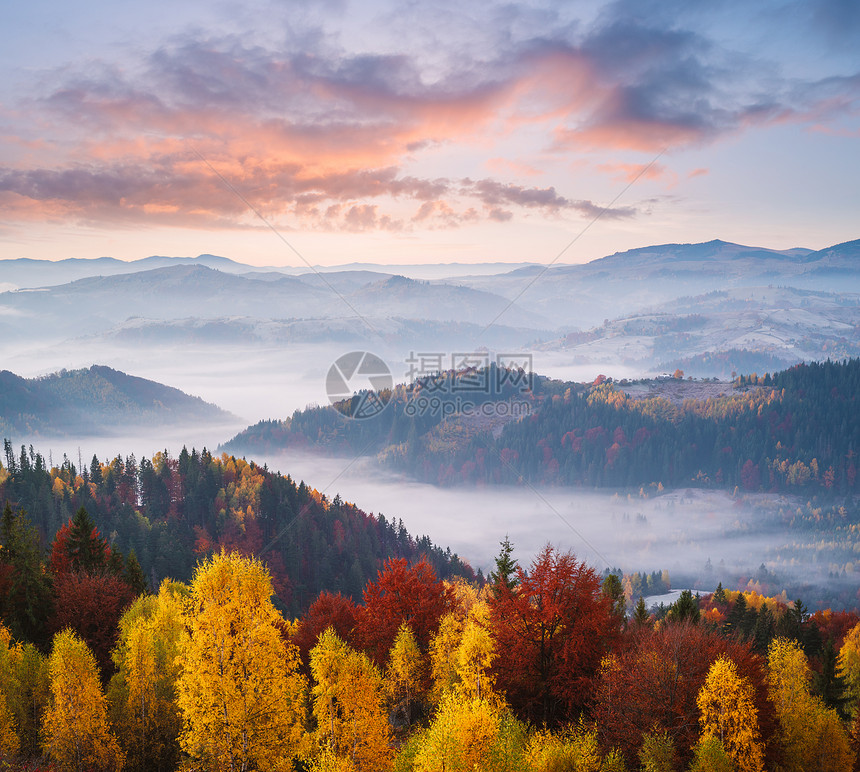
[
  {"x": 709, "y": 755},
  {"x": 401, "y": 593},
  {"x": 614, "y": 590},
  {"x": 686, "y": 607},
  {"x": 142, "y": 694},
  {"x": 91, "y": 605},
  {"x": 641, "y": 617},
  {"x": 653, "y": 685},
  {"x": 239, "y": 689},
  {"x": 76, "y": 733},
  {"x": 848, "y": 667},
  {"x": 657, "y": 753},
  {"x": 348, "y": 705},
  {"x": 506, "y": 566},
  {"x": 328, "y": 610},
  {"x": 811, "y": 736},
  {"x": 729, "y": 714},
  {"x": 27, "y": 602},
  {"x": 404, "y": 674},
  {"x": 78, "y": 546},
  {"x": 9, "y": 741},
  {"x": 550, "y": 634},
  {"x": 471, "y": 734},
  {"x": 475, "y": 655}
]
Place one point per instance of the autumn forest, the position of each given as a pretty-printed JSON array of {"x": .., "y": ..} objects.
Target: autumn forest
[{"x": 201, "y": 612}]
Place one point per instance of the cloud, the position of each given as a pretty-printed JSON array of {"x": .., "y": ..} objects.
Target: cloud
[
  {"x": 493, "y": 194},
  {"x": 313, "y": 125}
]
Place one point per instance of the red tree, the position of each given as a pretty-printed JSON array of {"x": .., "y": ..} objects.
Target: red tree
[
  {"x": 551, "y": 633},
  {"x": 652, "y": 686},
  {"x": 328, "y": 610},
  {"x": 401, "y": 593},
  {"x": 92, "y": 605}
]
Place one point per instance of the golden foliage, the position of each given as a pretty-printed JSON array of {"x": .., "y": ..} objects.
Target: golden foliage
[
  {"x": 143, "y": 691},
  {"x": 348, "y": 700},
  {"x": 848, "y": 666},
  {"x": 726, "y": 702},
  {"x": 470, "y": 734},
  {"x": 812, "y": 736},
  {"x": 239, "y": 689},
  {"x": 76, "y": 734},
  {"x": 405, "y": 671}
]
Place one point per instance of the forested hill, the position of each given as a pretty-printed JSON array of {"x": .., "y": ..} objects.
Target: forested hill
[
  {"x": 93, "y": 399},
  {"x": 173, "y": 511},
  {"x": 798, "y": 430}
]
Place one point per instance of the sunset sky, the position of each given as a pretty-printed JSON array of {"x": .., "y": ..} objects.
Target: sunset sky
[{"x": 425, "y": 132}]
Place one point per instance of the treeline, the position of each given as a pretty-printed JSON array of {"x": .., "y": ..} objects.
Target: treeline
[
  {"x": 170, "y": 511},
  {"x": 538, "y": 670}
]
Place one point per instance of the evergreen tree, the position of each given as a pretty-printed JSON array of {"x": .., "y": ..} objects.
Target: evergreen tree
[
  {"x": 134, "y": 576},
  {"x": 506, "y": 566},
  {"x": 641, "y": 617},
  {"x": 829, "y": 685},
  {"x": 28, "y": 602},
  {"x": 685, "y": 608}
]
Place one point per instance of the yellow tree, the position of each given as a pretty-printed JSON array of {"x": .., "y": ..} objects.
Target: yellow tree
[
  {"x": 728, "y": 712},
  {"x": 443, "y": 655},
  {"x": 811, "y": 735},
  {"x": 476, "y": 654},
  {"x": 471, "y": 734},
  {"x": 405, "y": 672},
  {"x": 239, "y": 689},
  {"x": 9, "y": 742},
  {"x": 28, "y": 690},
  {"x": 142, "y": 694},
  {"x": 76, "y": 734},
  {"x": 848, "y": 666},
  {"x": 348, "y": 704}
]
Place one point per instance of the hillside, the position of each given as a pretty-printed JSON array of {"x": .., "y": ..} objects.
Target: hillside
[
  {"x": 93, "y": 401},
  {"x": 797, "y": 430}
]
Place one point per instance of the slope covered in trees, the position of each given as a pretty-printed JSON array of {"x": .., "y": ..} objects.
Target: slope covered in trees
[
  {"x": 795, "y": 431},
  {"x": 90, "y": 400},
  {"x": 172, "y": 511}
]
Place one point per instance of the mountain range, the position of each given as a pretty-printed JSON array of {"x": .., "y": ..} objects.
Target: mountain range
[{"x": 657, "y": 307}]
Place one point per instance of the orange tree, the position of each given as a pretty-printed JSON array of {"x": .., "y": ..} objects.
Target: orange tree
[{"x": 552, "y": 630}]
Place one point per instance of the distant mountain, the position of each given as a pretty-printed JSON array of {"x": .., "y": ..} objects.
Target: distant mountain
[
  {"x": 28, "y": 273},
  {"x": 93, "y": 402},
  {"x": 628, "y": 282},
  {"x": 399, "y": 335},
  {"x": 95, "y": 303},
  {"x": 745, "y": 329}
]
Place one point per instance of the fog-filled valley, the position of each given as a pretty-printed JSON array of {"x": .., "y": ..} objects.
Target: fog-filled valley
[{"x": 258, "y": 344}]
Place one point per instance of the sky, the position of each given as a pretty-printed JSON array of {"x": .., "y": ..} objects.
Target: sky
[{"x": 284, "y": 133}]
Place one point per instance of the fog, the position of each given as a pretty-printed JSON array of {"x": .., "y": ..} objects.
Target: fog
[{"x": 675, "y": 531}]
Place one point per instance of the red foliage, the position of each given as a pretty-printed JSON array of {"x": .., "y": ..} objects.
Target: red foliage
[
  {"x": 91, "y": 604},
  {"x": 551, "y": 632},
  {"x": 834, "y": 624},
  {"x": 401, "y": 593},
  {"x": 653, "y": 685},
  {"x": 328, "y": 610}
]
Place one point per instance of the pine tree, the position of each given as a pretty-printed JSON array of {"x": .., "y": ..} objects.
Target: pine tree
[
  {"x": 641, "y": 617},
  {"x": 506, "y": 566}
]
